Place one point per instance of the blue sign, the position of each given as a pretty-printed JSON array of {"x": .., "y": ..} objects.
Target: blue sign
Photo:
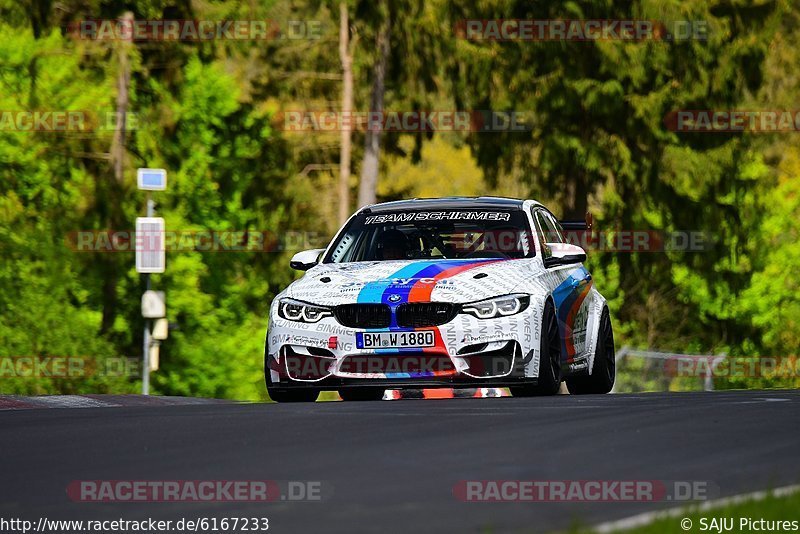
[{"x": 151, "y": 179}]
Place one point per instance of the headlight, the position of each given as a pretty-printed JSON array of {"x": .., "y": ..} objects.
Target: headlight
[
  {"x": 497, "y": 306},
  {"x": 296, "y": 310}
]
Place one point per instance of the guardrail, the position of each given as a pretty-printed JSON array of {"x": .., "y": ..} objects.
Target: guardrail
[{"x": 713, "y": 359}]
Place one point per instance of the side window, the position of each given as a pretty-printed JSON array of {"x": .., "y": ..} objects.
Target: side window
[
  {"x": 558, "y": 234},
  {"x": 541, "y": 232},
  {"x": 550, "y": 232}
]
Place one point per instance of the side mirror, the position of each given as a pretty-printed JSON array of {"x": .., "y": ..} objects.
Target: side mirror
[
  {"x": 303, "y": 261},
  {"x": 564, "y": 254}
]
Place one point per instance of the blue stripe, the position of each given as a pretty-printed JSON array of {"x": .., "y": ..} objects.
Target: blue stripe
[
  {"x": 372, "y": 292},
  {"x": 428, "y": 271},
  {"x": 562, "y": 293},
  {"x": 403, "y": 291}
]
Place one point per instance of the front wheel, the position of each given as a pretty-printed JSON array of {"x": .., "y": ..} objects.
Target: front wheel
[
  {"x": 549, "y": 358},
  {"x": 604, "y": 367}
]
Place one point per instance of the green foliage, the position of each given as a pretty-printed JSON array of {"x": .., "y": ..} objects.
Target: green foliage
[{"x": 206, "y": 111}]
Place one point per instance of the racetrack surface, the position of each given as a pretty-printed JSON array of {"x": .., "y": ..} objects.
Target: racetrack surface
[{"x": 392, "y": 466}]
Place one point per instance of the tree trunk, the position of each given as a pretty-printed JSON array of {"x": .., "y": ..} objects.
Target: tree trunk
[
  {"x": 123, "y": 81},
  {"x": 115, "y": 189},
  {"x": 347, "y": 107},
  {"x": 369, "y": 168},
  {"x": 576, "y": 199}
]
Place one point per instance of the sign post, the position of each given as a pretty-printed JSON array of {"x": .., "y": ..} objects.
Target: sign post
[{"x": 150, "y": 258}]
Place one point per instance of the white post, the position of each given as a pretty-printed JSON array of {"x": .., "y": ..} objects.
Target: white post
[{"x": 146, "y": 343}]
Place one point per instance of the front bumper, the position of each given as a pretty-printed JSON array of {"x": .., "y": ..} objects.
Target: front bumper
[{"x": 468, "y": 352}]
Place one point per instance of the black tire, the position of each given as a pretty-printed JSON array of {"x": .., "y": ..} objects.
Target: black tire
[
  {"x": 549, "y": 380},
  {"x": 604, "y": 366},
  {"x": 286, "y": 394},
  {"x": 361, "y": 394}
]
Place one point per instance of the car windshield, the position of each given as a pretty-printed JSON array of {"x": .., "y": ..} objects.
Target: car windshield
[{"x": 453, "y": 234}]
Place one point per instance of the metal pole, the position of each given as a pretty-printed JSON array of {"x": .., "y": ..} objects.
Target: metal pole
[
  {"x": 146, "y": 353},
  {"x": 146, "y": 342}
]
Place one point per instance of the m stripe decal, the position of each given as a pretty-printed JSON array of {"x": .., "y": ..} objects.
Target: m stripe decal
[
  {"x": 569, "y": 297},
  {"x": 422, "y": 292}
]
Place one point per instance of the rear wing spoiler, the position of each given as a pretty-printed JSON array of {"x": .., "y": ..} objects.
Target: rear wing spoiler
[{"x": 573, "y": 226}]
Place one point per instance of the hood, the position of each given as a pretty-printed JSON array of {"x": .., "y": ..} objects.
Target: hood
[{"x": 397, "y": 282}]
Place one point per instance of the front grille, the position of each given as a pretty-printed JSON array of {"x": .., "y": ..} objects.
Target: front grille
[
  {"x": 363, "y": 315},
  {"x": 420, "y": 314}
]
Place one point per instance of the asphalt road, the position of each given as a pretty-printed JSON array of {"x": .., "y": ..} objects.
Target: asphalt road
[{"x": 392, "y": 466}]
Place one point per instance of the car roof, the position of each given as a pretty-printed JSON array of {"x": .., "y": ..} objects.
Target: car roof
[{"x": 446, "y": 203}]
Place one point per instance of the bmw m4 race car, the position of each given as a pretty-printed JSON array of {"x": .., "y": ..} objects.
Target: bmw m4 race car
[{"x": 451, "y": 292}]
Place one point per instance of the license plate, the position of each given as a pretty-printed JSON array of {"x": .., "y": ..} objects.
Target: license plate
[{"x": 394, "y": 340}]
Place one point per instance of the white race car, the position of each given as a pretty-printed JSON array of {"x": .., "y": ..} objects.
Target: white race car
[{"x": 451, "y": 292}]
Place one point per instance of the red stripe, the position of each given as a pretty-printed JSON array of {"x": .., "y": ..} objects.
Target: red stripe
[{"x": 422, "y": 292}]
